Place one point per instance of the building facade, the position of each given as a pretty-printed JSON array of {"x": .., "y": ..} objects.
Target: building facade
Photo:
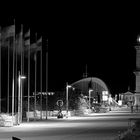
[{"x": 137, "y": 74}]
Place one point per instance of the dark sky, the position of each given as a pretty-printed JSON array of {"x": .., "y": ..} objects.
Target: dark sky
[{"x": 102, "y": 38}]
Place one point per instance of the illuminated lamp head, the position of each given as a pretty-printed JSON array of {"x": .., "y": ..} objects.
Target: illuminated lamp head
[{"x": 138, "y": 39}]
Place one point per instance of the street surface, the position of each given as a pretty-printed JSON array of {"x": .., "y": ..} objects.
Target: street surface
[{"x": 99, "y": 126}]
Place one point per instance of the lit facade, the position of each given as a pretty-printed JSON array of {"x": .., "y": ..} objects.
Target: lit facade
[{"x": 137, "y": 74}]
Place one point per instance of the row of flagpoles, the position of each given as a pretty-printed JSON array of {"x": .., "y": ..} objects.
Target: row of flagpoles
[{"x": 20, "y": 45}]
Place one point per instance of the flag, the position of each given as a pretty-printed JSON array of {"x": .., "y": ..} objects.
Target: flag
[
  {"x": 36, "y": 46},
  {"x": 19, "y": 40},
  {"x": 39, "y": 42},
  {"x": 7, "y": 34},
  {"x": 26, "y": 43},
  {"x": 27, "y": 39},
  {"x": 27, "y": 34}
]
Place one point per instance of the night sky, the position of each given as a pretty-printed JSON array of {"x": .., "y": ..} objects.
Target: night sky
[{"x": 102, "y": 39}]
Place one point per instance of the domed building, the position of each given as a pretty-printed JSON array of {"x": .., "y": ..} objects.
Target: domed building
[{"x": 90, "y": 91}]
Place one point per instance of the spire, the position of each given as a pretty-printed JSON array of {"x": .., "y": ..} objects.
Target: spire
[
  {"x": 85, "y": 75},
  {"x": 128, "y": 88}
]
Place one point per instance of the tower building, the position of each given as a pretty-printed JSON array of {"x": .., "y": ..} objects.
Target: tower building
[{"x": 137, "y": 74}]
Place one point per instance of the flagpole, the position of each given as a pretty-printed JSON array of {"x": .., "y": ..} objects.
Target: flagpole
[
  {"x": 35, "y": 59},
  {"x": 28, "y": 83},
  {"x": 0, "y": 70},
  {"x": 47, "y": 81},
  {"x": 41, "y": 79},
  {"x": 35, "y": 86},
  {"x": 13, "y": 85},
  {"x": 23, "y": 48},
  {"x": 19, "y": 92},
  {"x": 21, "y": 45},
  {"x": 16, "y": 76},
  {"x": 8, "y": 79}
]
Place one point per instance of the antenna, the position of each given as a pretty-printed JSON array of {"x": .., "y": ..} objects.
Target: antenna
[
  {"x": 128, "y": 88},
  {"x": 85, "y": 75}
]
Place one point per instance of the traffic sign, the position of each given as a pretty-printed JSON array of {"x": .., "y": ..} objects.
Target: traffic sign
[{"x": 59, "y": 103}]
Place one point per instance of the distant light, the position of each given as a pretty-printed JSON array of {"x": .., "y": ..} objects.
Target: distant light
[
  {"x": 23, "y": 77},
  {"x": 69, "y": 86},
  {"x": 90, "y": 90},
  {"x": 105, "y": 95},
  {"x": 138, "y": 39},
  {"x": 119, "y": 102}
]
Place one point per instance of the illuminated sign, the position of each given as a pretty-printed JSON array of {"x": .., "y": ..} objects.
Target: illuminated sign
[
  {"x": 105, "y": 95},
  {"x": 59, "y": 103},
  {"x": 44, "y": 93},
  {"x": 120, "y": 102}
]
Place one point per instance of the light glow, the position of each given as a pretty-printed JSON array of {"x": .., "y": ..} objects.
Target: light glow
[
  {"x": 105, "y": 95},
  {"x": 138, "y": 39},
  {"x": 69, "y": 86}
]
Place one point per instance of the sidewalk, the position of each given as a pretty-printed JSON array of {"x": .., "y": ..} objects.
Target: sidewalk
[
  {"x": 122, "y": 113},
  {"x": 133, "y": 131}
]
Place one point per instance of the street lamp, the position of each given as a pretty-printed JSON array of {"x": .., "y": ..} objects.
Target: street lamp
[
  {"x": 20, "y": 77},
  {"x": 90, "y": 90},
  {"x": 138, "y": 39},
  {"x": 48, "y": 93},
  {"x": 67, "y": 98}
]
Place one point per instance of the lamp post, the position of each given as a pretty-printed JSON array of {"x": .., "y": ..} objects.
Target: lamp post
[
  {"x": 20, "y": 77},
  {"x": 90, "y": 90},
  {"x": 48, "y": 93},
  {"x": 67, "y": 98},
  {"x": 138, "y": 39}
]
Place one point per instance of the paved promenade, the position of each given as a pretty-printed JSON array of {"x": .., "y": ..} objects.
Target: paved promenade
[{"x": 114, "y": 121}]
